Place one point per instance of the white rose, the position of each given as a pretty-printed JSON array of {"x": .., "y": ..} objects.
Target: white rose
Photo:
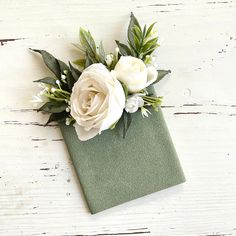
[
  {"x": 134, "y": 73},
  {"x": 97, "y": 101},
  {"x": 133, "y": 103}
]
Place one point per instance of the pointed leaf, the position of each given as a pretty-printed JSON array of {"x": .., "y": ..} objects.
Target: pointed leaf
[
  {"x": 53, "y": 107},
  {"x": 102, "y": 53},
  {"x": 75, "y": 73},
  {"x": 50, "y": 61},
  {"x": 123, "y": 49},
  {"x": 133, "y": 22},
  {"x": 59, "y": 117},
  {"x": 161, "y": 75},
  {"x": 150, "y": 29},
  {"x": 88, "y": 61},
  {"x": 47, "y": 80},
  {"x": 87, "y": 42}
]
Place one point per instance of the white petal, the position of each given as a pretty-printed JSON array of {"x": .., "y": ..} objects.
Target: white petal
[
  {"x": 85, "y": 135},
  {"x": 151, "y": 75}
]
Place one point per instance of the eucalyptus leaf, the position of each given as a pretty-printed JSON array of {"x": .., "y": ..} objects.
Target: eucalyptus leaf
[
  {"x": 102, "y": 53},
  {"x": 75, "y": 73},
  {"x": 161, "y": 75},
  {"x": 47, "y": 80},
  {"x": 53, "y": 107},
  {"x": 123, "y": 49},
  {"x": 69, "y": 78},
  {"x": 87, "y": 42},
  {"x": 50, "y": 61},
  {"x": 88, "y": 61},
  {"x": 59, "y": 117}
]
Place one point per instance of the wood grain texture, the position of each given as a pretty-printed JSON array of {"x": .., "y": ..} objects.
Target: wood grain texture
[{"x": 39, "y": 192}]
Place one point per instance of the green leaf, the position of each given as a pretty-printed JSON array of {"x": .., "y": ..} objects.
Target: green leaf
[
  {"x": 137, "y": 31},
  {"x": 47, "y": 80},
  {"x": 161, "y": 75},
  {"x": 75, "y": 73},
  {"x": 69, "y": 78},
  {"x": 125, "y": 88},
  {"x": 150, "y": 29},
  {"x": 53, "y": 107},
  {"x": 50, "y": 61},
  {"x": 151, "y": 44},
  {"x": 59, "y": 117},
  {"x": 102, "y": 53},
  {"x": 80, "y": 62},
  {"x": 133, "y": 22},
  {"x": 88, "y": 61},
  {"x": 126, "y": 118},
  {"x": 123, "y": 49},
  {"x": 87, "y": 42},
  {"x": 144, "y": 30}
]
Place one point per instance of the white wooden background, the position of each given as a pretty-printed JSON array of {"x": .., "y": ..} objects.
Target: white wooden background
[{"x": 39, "y": 191}]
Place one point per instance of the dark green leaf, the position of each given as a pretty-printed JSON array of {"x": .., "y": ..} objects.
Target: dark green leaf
[
  {"x": 63, "y": 67},
  {"x": 69, "y": 78},
  {"x": 161, "y": 75},
  {"x": 133, "y": 22},
  {"x": 59, "y": 117},
  {"x": 50, "y": 61},
  {"x": 123, "y": 49},
  {"x": 126, "y": 119},
  {"x": 137, "y": 31},
  {"x": 88, "y": 61},
  {"x": 87, "y": 42},
  {"x": 102, "y": 53},
  {"x": 47, "y": 80},
  {"x": 75, "y": 73},
  {"x": 53, "y": 107}
]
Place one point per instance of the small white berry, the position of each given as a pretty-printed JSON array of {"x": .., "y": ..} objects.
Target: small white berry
[
  {"x": 68, "y": 109},
  {"x": 58, "y": 82},
  {"x": 53, "y": 90},
  {"x": 67, "y": 121},
  {"x": 63, "y": 77}
]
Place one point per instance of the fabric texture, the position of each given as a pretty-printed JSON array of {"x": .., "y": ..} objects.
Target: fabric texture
[{"x": 113, "y": 170}]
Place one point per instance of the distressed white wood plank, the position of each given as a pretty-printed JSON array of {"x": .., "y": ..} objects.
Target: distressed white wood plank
[{"x": 39, "y": 191}]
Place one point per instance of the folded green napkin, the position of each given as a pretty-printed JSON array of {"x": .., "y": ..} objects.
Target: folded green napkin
[{"x": 113, "y": 170}]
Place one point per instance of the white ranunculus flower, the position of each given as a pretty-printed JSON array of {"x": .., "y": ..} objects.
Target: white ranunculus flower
[
  {"x": 133, "y": 103},
  {"x": 97, "y": 101},
  {"x": 134, "y": 73}
]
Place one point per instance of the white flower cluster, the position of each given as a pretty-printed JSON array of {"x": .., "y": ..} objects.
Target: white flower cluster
[{"x": 98, "y": 99}]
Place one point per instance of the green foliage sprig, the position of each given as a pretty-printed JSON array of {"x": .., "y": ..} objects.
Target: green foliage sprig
[{"x": 141, "y": 42}]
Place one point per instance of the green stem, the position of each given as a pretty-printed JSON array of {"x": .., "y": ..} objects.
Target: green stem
[{"x": 54, "y": 98}]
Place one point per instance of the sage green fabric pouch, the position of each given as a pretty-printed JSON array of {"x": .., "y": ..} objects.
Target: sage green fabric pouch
[{"x": 113, "y": 170}]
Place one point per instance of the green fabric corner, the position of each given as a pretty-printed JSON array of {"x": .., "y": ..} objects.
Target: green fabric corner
[{"x": 113, "y": 170}]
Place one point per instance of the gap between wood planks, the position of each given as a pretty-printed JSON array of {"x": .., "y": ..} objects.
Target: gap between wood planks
[{"x": 5, "y": 41}]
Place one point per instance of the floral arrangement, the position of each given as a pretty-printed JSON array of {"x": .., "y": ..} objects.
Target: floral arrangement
[{"x": 101, "y": 89}]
